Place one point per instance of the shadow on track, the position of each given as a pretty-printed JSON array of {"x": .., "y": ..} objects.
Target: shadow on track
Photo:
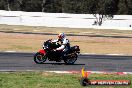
[
  {"x": 61, "y": 64},
  {"x": 106, "y": 57}
]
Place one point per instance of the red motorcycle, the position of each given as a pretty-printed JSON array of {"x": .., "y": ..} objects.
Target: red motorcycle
[{"x": 47, "y": 52}]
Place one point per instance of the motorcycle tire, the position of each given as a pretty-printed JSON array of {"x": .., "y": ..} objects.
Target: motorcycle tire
[
  {"x": 39, "y": 58},
  {"x": 70, "y": 60}
]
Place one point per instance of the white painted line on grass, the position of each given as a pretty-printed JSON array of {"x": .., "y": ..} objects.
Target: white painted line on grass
[
  {"x": 10, "y": 51},
  {"x": 115, "y": 54}
]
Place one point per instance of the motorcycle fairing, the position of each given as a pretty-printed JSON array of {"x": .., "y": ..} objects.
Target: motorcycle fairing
[{"x": 42, "y": 52}]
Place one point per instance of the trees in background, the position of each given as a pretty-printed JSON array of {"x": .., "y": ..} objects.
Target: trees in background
[
  {"x": 104, "y": 9},
  {"x": 101, "y": 7},
  {"x": 125, "y": 7}
]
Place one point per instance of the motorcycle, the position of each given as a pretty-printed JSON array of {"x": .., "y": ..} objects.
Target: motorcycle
[{"x": 47, "y": 52}]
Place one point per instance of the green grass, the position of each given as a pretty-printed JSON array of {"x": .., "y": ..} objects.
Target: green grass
[{"x": 52, "y": 80}]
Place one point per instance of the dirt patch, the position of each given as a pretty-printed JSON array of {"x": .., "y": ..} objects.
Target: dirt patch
[
  {"x": 82, "y": 31},
  {"x": 33, "y": 42},
  {"x": 95, "y": 40}
]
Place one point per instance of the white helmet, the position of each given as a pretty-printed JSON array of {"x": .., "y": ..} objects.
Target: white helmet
[{"x": 61, "y": 36}]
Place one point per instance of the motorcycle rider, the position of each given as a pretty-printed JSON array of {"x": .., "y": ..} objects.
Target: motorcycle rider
[{"x": 65, "y": 44}]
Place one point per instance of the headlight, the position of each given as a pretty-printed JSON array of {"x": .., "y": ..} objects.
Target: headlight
[{"x": 45, "y": 47}]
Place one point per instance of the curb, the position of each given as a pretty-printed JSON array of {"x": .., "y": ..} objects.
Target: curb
[
  {"x": 71, "y": 72},
  {"x": 90, "y": 72}
]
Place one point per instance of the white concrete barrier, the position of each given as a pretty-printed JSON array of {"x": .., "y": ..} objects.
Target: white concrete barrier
[{"x": 123, "y": 22}]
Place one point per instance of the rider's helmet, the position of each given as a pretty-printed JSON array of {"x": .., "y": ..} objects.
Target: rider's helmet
[{"x": 61, "y": 36}]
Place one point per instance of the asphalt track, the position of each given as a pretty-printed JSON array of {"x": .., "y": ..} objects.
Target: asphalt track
[{"x": 24, "y": 62}]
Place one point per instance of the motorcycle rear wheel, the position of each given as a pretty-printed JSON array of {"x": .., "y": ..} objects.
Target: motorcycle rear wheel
[
  {"x": 70, "y": 59},
  {"x": 39, "y": 58}
]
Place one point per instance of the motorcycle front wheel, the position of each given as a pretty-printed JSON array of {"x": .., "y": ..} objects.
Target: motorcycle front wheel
[{"x": 39, "y": 58}]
